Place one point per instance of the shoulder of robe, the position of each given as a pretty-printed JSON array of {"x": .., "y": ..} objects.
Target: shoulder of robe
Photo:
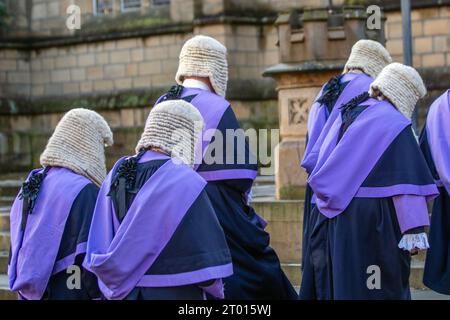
[
  {"x": 186, "y": 172},
  {"x": 214, "y": 98},
  {"x": 386, "y": 109},
  {"x": 90, "y": 190},
  {"x": 438, "y": 103}
]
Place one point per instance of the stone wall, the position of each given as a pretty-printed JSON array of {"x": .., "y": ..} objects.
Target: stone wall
[
  {"x": 431, "y": 36},
  {"x": 23, "y": 136},
  {"x": 121, "y": 79},
  {"x": 151, "y": 60},
  {"x": 134, "y": 63},
  {"x": 46, "y": 17},
  {"x": 122, "y": 69},
  {"x": 128, "y": 63}
]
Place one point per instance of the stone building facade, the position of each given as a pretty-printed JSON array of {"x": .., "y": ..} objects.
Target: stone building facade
[{"x": 126, "y": 53}]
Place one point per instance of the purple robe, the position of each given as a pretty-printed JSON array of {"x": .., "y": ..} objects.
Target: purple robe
[
  {"x": 257, "y": 269},
  {"x": 320, "y": 122},
  {"x": 218, "y": 116},
  {"x": 372, "y": 183},
  {"x": 343, "y": 166},
  {"x": 34, "y": 250},
  {"x": 435, "y": 144},
  {"x": 438, "y": 134},
  {"x": 121, "y": 253}
]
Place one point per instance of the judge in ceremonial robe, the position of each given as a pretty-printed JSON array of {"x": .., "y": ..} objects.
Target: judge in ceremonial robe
[
  {"x": 372, "y": 185},
  {"x": 155, "y": 235},
  {"x": 366, "y": 60},
  {"x": 51, "y": 215},
  {"x": 435, "y": 144},
  {"x": 230, "y": 168}
]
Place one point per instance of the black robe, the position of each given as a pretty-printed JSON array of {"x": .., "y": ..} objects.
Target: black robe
[
  {"x": 184, "y": 239},
  {"x": 257, "y": 269},
  {"x": 338, "y": 267},
  {"x": 437, "y": 263}
]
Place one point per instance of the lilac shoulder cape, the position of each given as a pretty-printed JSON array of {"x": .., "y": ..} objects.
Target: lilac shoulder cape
[
  {"x": 343, "y": 166},
  {"x": 34, "y": 251},
  {"x": 213, "y": 107},
  {"x": 121, "y": 253},
  {"x": 319, "y": 123},
  {"x": 438, "y": 133}
]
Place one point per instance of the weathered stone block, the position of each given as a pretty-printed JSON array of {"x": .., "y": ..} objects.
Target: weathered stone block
[
  {"x": 285, "y": 220},
  {"x": 122, "y": 84},
  {"x": 433, "y": 60},
  {"x": 95, "y": 73},
  {"x": 290, "y": 177},
  {"x": 423, "y": 44},
  {"x": 78, "y": 74},
  {"x": 120, "y": 56},
  {"x": 184, "y": 10},
  {"x": 148, "y": 68},
  {"x": 126, "y": 43},
  {"x": 114, "y": 71},
  {"x": 87, "y": 59},
  {"x": 103, "y": 85},
  {"x": 436, "y": 26}
]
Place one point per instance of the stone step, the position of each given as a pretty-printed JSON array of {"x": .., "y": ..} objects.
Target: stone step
[
  {"x": 416, "y": 276},
  {"x": 13, "y": 176},
  {"x": 285, "y": 220},
  {"x": 427, "y": 295},
  {"x": 4, "y": 262},
  {"x": 265, "y": 180},
  {"x": 6, "y": 201},
  {"x": 4, "y": 241},
  {"x": 5, "y": 293},
  {"x": 263, "y": 191},
  {"x": 293, "y": 272},
  {"x": 10, "y": 188},
  {"x": 4, "y": 220}
]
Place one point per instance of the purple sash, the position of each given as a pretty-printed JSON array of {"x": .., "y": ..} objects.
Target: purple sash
[
  {"x": 438, "y": 133},
  {"x": 342, "y": 167},
  {"x": 212, "y": 108},
  {"x": 33, "y": 252},
  {"x": 121, "y": 254},
  {"x": 359, "y": 83}
]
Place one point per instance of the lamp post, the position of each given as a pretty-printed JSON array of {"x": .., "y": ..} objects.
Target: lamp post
[{"x": 407, "y": 47}]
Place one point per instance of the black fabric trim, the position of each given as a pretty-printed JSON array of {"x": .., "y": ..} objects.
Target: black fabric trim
[
  {"x": 350, "y": 112},
  {"x": 332, "y": 91}
]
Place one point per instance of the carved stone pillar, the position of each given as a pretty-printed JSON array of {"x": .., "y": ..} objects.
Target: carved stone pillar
[{"x": 313, "y": 46}]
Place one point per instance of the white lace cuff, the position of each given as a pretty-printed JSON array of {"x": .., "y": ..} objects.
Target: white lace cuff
[
  {"x": 411, "y": 241},
  {"x": 249, "y": 197}
]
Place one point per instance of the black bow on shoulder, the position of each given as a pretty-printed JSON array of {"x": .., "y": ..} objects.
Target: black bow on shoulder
[
  {"x": 351, "y": 110},
  {"x": 354, "y": 102},
  {"x": 29, "y": 193},
  {"x": 332, "y": 91},
  {"x": 174, "y": 92},
  {"x": 123, "y": 182},
  {"x": 127, "y": 171}
]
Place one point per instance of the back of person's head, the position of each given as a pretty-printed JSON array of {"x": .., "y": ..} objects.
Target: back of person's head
[
  {"x": 174, "y": 127},
  {"x": 78, "y": 143}
]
